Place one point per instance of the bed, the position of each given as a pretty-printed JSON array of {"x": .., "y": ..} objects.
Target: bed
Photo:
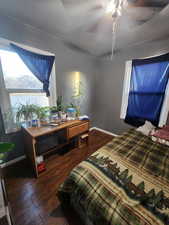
[{"x": 124, "y": 182}]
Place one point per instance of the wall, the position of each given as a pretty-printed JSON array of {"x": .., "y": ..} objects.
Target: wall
[
  {"x": 102, "y": 79},
  {"x": 109, "y": 83},
  {"x": 67, "y": 61}
]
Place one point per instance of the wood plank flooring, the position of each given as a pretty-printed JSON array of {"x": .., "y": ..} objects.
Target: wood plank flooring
[{"x": 33, "y": 201}]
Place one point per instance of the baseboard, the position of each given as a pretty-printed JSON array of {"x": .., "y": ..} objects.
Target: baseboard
[
  {"x": 11, "y": 162},
  {"x": 104, "y": 131}
]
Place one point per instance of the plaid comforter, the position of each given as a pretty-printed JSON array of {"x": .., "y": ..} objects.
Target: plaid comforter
[{"x": 124, "y": 182}]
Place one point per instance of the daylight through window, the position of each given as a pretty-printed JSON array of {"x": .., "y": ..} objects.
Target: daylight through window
[{"x": 19, "y": 86}]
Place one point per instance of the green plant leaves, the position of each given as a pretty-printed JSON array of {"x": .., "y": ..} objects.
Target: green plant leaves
[
  {"x": 26, "y": 112},
  {"x": 6, "y": 147}
]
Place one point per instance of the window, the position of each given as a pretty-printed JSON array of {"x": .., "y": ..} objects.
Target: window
[
  {"x": 146, "y": 91},
  {"x": 20, "y": 83},
  {"x": 19, "y": 86}
]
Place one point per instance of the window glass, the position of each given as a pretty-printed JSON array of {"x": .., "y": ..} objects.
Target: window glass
[
  {"x": 16, "y": 73},
  {"x": 19, "y": 86},
  {"x": 38, "y": 99}
]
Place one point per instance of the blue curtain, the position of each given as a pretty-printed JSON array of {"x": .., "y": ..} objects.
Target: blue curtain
[
  {"x": 147, "y": 89},
  {"x": 39, "y": 65}
]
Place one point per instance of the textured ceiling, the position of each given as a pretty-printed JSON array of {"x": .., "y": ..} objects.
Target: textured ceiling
[{"x": 84, "y": 25}]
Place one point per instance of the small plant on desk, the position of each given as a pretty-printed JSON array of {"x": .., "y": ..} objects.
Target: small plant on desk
[
  {"x": 26, "y": 112},
  {"x": 42, "y": 113}
]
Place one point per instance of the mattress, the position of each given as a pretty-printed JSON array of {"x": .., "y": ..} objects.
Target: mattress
[{"x": 124, "y": 182}]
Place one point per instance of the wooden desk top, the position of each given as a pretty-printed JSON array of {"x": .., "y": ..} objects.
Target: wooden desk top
[{"x": 39, "y": 131}]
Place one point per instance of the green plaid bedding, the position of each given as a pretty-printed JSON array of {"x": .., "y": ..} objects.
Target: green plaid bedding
[{"x": 124, "y": 182}]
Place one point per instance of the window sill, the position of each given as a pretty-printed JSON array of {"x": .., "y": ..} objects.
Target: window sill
[{"x": 12, "y": 130}]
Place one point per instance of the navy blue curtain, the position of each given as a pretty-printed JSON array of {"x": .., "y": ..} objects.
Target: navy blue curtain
[
  {"x": 39, "y": 65},
  {"x": 147, "y": 89}
]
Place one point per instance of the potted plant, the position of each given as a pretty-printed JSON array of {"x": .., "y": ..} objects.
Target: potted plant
[
  {"x": 77, "y": 99},
  {"x": 77, "y": 108},
  {"x": 71, "y": 112},
  {"x": 42, "y": 113},
  {"x": 4, "y": 148},
  {"x": 25, "y": 113},
  {"x": 59, "y": 109},
  {"x": 59, "y": 103},
  {"x": 53, "y": 110}
]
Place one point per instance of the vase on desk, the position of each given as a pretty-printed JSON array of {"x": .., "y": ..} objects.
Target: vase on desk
[
  {"x": 63, "y": 116},
  {"x": 28, "y": 123},
  {"x": 71, "y": 113},
  {"x": 36, "y": 123},
  {"x": 54, "y": 117},
  {"x": 59, "y": 114}
]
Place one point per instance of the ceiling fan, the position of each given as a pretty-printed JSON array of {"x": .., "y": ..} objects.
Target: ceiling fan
[
  {"x": 115, "y": 7},
  {"x": 92, "y": 13}
]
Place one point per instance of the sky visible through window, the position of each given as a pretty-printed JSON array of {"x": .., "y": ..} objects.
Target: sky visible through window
[
  {"x": 16, "y": 73},
  {"x": 18, "y": 76}
]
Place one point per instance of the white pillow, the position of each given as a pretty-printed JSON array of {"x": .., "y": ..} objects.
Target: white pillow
[{"x": 146, "y": 128}]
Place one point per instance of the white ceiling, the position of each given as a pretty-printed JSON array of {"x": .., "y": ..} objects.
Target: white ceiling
[{"x": 85, "y": 25}]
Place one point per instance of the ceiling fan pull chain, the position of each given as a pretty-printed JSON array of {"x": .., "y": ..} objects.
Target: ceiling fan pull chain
[
  {"x": 116, "y": 15},
  {"x": 114, "y": 31}
]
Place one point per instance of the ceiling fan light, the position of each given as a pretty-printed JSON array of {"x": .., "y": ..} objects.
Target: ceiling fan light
[
  {"x": 119, "y": 12},
  {"x": 111, "y": 7},
  {"x": 115, "y": 14},
  {"x": 115, "y": 7}
]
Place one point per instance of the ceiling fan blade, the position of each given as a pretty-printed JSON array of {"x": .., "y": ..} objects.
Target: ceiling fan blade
[
  {"x": 131, "y": 17},
  {"x": 93, "y": 21},
  {"x": 74, "y": 7},
  {"x": 140, "y": 13},
  {"x": 147, "y": 3},
  {"x": 73, "y": 2},
  {"x": 86, "y": 13},
  {"x": 103, "y": 25},
  {"x": 146, "y": 32}
]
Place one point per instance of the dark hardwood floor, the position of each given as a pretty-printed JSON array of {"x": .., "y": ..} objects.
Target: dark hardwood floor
[{"x": 33, "y": 201}]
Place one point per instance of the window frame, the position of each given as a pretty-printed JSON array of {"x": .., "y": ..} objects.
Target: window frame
[
  {"x": 126, "y": 90},
  {"x": 5, "y": 92}
]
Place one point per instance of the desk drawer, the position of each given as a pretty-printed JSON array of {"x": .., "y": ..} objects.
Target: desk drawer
[{"x": 78, "y": 129}]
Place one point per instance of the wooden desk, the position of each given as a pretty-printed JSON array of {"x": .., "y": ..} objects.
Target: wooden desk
[{"x": 34, "y": 136}]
